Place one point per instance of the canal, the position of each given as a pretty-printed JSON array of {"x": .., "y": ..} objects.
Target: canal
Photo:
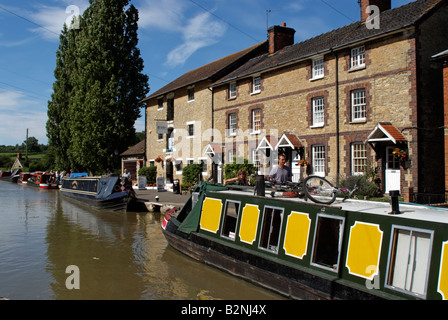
[{"x": 49, "y": 245}]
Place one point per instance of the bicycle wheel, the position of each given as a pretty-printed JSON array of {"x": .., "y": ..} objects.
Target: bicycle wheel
[{"x": 319, "y": 190}]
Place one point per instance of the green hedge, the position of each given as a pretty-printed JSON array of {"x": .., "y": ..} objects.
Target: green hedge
[{"x": 150, "y": 173}]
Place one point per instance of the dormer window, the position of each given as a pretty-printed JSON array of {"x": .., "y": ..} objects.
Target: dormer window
[
  {"x": 232, "y": 90},
  {"x": 318, "y": 68},
  {"x": 358, "y": 58},
  {"x": 256, "y": 85},
  {"x": 190, "y": 94}
]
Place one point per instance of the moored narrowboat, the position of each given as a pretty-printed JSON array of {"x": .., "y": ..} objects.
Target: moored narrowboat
[
  {"x": 110, "y": 193},
  {"x": 42, "y": 180},
  {"x": 23, "y": 177},
  {"x": 6, "y": 175},
  {"x": 347, "y": 250}
]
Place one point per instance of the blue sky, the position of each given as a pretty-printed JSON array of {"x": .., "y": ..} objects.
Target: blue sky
[{"x": 175, "y": 36}]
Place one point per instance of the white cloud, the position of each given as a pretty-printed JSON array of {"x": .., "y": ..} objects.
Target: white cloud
[
  {"x": 18, "y": 113},
  {"x": 201, "y": 31},
  {"x": 162, "y": 14},
  {"x": 52, "y": 18}
]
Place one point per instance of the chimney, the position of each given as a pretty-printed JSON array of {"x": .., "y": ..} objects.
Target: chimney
[
  {"x": 381, "y": 4},
  {"x": 280, "y": 37}
]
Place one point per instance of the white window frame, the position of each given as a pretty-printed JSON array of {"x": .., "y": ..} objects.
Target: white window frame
[
  {"x": 190, "y": 94},
  {"x": 225, "y": 217},
  {"x": 159, "y": 106},
  {"x": 256, "y": 161},
  {"x": 232, "y": 90},
  {"x": 205, "y": 160},
  {"x": 256, "y": 120},
  {"x": 317, "y": 237},
  {"x": 358, "y": 57},
  {"x": 358, "y": 105},
  {"x": 230, "y": 155},
  {"x": 268, "y": 232},
  {"x": 318, "y": 68},
  {"x": 318, "y": 152},
  {"x": 177, "y": 163},
  {"x": 318, "y": 111},
  {"x": 232, "y": 118},
  {"x": 410, "y": 257},
  {"x": 256, "y": 84},
  {"x": 190, "y": 123},
  {"x": 358, "y": 158}
]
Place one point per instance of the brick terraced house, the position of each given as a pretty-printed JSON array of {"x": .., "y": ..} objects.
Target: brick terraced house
[
  {"x": 179, "y": 117},
  {"x": 344, "y": 100}
]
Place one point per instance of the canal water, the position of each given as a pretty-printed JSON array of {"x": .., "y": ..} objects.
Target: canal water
[{"x": 49, "y": 245}]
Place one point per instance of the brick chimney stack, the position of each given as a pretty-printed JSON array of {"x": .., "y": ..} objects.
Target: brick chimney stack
[
  {"x": 280, "y": 37},
  {"x": 381, "y": 4}
]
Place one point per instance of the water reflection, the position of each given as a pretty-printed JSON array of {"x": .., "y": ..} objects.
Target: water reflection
[{"x": 119, "y": 256}]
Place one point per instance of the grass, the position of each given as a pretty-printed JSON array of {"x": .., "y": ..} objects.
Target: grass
[{"x": 13, "y": 156}]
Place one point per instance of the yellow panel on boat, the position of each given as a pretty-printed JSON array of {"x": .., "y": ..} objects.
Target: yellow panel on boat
[
  {"x": 249, "y": 223},
  {"x": 364, "y": 249},
  {"x": 297, "y": 233},
  {"x": 211, "y": 214},
  {"x": 443, "y": 273}
]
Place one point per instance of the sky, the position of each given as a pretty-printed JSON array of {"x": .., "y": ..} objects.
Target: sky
[{"x": 175, "y": 36}]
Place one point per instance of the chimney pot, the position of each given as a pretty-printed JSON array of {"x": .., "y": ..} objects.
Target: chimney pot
[{"x": 280, "y": 37}]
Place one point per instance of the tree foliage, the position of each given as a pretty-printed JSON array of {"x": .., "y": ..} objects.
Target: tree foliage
[{"x": 99, "y": 83}]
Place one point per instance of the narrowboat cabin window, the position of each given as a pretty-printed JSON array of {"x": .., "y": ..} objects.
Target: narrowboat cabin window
[
  {"x": 230, "y": 220},
  {"x": 327, "y": 242},
  {"x": 408, "y": 265},
  {"x": 271, "y": 228}
]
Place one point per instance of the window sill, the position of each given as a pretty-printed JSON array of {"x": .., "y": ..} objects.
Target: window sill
[
  {"x": 316, "y": 78},
  {"x": 255, "y": 133},
  {"x": 231, "y": 98},
  {"x": 353, "y": 69},
  {"x": 317, "y": 126},
  {"x": 255, "y": 92},
  {"x": 358, "y": 121}
]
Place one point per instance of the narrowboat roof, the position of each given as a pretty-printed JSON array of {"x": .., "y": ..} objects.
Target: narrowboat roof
[{"x": 407, "y": 210}]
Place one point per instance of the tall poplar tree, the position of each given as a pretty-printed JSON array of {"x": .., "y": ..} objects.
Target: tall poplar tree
[{"x": 102, "y": 82}]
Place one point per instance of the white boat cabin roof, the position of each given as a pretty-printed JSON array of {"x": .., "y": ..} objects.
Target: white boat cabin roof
[{"x": 407, "y": 210}]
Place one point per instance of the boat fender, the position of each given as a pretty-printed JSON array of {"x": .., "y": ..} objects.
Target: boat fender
[{"x": 166, "y": 218}]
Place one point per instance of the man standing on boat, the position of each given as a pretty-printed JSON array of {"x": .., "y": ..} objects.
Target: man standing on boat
[
  {"x": 281, "y": 173},
  {"x": 127, "y": 174}
]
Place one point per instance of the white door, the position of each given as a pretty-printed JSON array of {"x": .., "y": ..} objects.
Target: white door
[
  {"x": 295, "y": 167},
  {"x": 392, "y": 176}
]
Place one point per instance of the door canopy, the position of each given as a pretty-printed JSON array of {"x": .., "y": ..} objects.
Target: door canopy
[{"x": 385, "y": 132}]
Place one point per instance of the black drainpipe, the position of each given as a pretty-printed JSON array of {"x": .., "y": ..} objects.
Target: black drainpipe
[{"x": 338, "y": 160}]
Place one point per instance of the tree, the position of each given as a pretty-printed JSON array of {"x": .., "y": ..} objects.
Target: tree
[
  {"x": 58, "y": 130},
  {"x": 99, "y": 87}
]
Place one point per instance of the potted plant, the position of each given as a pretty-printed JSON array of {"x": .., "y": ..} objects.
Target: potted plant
[
  {"x": 158, "y": 159},
  {"x": 303, "y": 163},
  {"x": 399, "y": 154}
]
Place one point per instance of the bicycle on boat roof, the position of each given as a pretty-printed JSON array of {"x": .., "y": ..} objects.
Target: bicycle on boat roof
[{"x": 316, "y": 188}]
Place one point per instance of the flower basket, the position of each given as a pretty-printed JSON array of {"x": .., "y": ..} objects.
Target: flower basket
[
  {"x": 400, "y": 154},
  {"x": 303, "y": 163},
  {"x": 158, "y": 159}
]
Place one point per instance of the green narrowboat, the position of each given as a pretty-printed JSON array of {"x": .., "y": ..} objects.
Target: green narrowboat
[{"x": 348, "y": 250}]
